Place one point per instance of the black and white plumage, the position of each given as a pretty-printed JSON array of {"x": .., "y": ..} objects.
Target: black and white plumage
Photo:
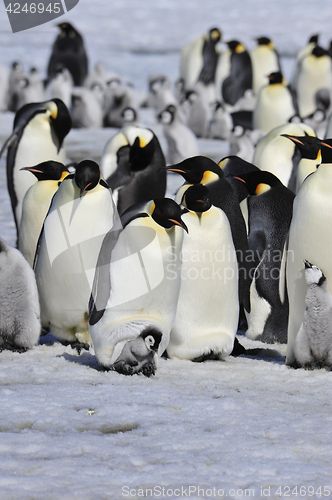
[
  {"x": 19, "y": 305},
  {"x": 136, "y": 285},
  {"x": 240, "y": 76},
  {"x": 68, "y": 50},
  {"x": 38, "y": 133},
  {"x": 313, "y": 344},
  {"x": 265, "y": 60}
]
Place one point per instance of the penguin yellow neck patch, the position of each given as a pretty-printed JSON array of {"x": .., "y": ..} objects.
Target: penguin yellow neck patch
[{"x": 262, "y": 188}]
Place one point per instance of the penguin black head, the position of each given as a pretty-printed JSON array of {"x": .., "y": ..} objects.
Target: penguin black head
[
  {"x": 236, "y": 46},
  {"x": 152, "y": 338},
  {"x": 196, "y": 198},
  {"x": 263, "y": 40},
  {"x": 313, "y": 275},
  {"x": 214, "y": 35},
  {"x": 167, "y": 213},
  {"x": 196, "y": 170},
  {"x": 309, "y": 146},
  {"x": 326, "y": 150},
  {"x": 87, "y": 175},
  {"x": 48, "y": 171},
  {"x": 129, "y": 115},
  {"x": 275, "y": 78},
  {"x": 68, "y": 29},
  {"x": 318, "y": 51},
  {"x": 167, "y": 115},
  {"x": 259, "y": 181},
  {"x": 314, "y": 39}
]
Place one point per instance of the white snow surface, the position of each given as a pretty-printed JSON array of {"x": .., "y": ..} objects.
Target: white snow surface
[{"x": 244, "y": 427}]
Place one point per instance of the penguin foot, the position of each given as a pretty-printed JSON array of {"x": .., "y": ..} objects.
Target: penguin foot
[
  {"x": 238, "y": 349},
  {"x": 77, "y": 345},
  {"x": 207, "y": 357},
  {"x": 7, "y": 345}
]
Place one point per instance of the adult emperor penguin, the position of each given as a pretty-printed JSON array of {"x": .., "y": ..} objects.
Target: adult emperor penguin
[
  {"x": 136, "y": 287},
  {"x": 276, "y": 154},
  {"x": 302, "y": 53},
  {"x": 132, "y": 164},
  {"x": 240, "y": 77},
  {"x": 68, "y": 50},
  {"x": 311, "y": 157},
  {"x": 199, "y": 59},
  {"x": 36, "y": 204},
  {"x": 269, "y": 208},
  {"x": 207, "y": 313},
  {"x": 203, "y": 170},
  {"x": 313, "y": 345},
  {"x": 38, "y": 134},
  {"x": 265, "y": 60},
  {"x": 315, "y": 74},
  {"x": 181, "y": 140},
  {"x": 19, "y": 313},
  {"x": 274, "y": 105},
  {"x": 82, "y": 212},
  {"x": 309, "y": 239}
]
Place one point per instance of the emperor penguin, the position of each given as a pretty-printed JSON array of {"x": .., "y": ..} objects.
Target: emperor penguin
[
  {"x": 240, "y": 77},
  {"x": 207, "y": 312},
  {"x": 269, "y": 208},
  {"x": 136, "y": 287},
  {"x": 81, "y": 213},
  {"x": 276, "y": 154},
  {"x": 199, "y": 59},
  {"x": 274, "y": 105},
  {"x": 302, "y": 53},
  {"x": 265, "y": 60},
  {"x": 19, "y": 305},
  {"x": 38, "y": 134},
  {"x": 203, "y": 170},
  {"x": 36, "y": 204},
  {"x": 233, "y": 166},
  {"x": 68, "y": 50},
  {"x": 181, "y": 140},
  {"x": 311, "y": 157},
  {"x": 315, "y": 74},
  {"x": 132, "y": 164},
  {"x": 309, "y": 239},
  {"x": 313, "y": 344}
]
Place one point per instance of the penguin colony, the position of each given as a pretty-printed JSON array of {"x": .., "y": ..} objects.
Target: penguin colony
[{"x": 105, "y": 259}]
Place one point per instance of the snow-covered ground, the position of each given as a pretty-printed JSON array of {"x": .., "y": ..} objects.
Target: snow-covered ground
[{"x": 244, "y": 427}]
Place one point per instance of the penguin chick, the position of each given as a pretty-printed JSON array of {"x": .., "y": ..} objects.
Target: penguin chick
[
  {"x": 313, "y": 344},
  {"x": 60, "y": 85},
  {"x": 137, "y": 284},
  {"x": 68, "y": 50},
  {"x": 139, "y": 355},
  {"x": 19, "y": 304},
  {"x": 275, "y": 104},
  {"x": 182, "y": 142},
  {"x": 39, "y": 131},
  {"x": 36, "y": 204},
  {"x": 86, "y": 110}
]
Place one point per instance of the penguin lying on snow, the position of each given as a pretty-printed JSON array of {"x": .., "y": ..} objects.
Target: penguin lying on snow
[
  {"x": 38, "y": 135},
  {"x": 82, "y": 212},
  {"x": 19, "y": 304},
  {"x": 313, "y": 344},
  {"x": 136, "y": 287}
]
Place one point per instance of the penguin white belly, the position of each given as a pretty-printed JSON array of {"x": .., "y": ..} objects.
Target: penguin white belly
[
  {"x": 71, "y": 241},
  {"x": 208, "y": 309},
  {"x": 193, "y": 62},
  {"x": 264, "y": 62},
  {"x": 309, "y": 238},
  {"x": 36, "y": 204},
  {"x": 260, "y": 310},
  {"x": 277, "y": 159},
  {"x": 314, "y": 75},
  {"x": 274, "y": 107},
  {"x": 34, "y": 147},
  {"x": 145, "y": 285}
]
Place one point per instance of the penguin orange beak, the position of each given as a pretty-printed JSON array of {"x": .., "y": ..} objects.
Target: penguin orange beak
[
  {"x": 179, "y": 171},
  {"x": 239, "y": 179},
  {"x": 293, "y": 138},
  {"x": 326, "y": 145},
  {"x": 31, "y": 169},
  {"x": 181, "y": 224},
  {"x": 83, "y": 189}
]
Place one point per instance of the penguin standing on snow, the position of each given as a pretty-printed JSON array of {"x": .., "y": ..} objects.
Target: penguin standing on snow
[
  {"x": 68, "y": 50},
  {"x": 132, "y": 164},
  {"x": 309, "y": 239},
  {"x": 19, "y": 305},
  {"x": 313, "y": 345},
  {"x": 275, "y": 104},
  {"x": 240, "y": 77},
  {"x": 265, "y": 60},
  {"x": 203, "y": 170},
  {"x": 82, "y": 212},
  {"x": 38, "y": 135},
  {"x": 136, "y": 287},
  {"x": 208, "y": 307},
  {"x": 269, "y": 208},
  {"x": 181, "y": 141},
  {"x": 36, "y": 204}
]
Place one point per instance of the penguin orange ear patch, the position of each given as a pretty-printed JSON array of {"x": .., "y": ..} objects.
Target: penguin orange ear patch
[
  {"x": 24, "y": 15},
  {"x": 262, "y": 188}
]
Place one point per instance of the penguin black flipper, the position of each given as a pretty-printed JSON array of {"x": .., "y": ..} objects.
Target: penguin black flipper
[
  {"x": 122, "y": 174},
  {"x": 240, "y": 78},
  {"x": 210, "y": 60}
]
